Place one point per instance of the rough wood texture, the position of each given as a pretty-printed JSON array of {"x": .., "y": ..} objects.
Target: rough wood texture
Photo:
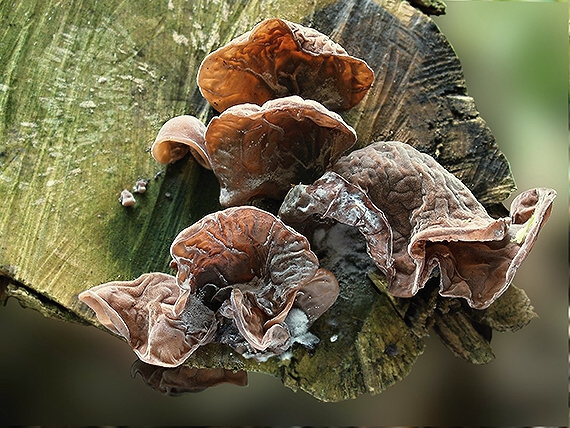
[{"x": 84, "y": 89}]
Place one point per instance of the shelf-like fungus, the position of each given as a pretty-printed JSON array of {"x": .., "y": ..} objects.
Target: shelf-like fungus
[
  {"x": 243, "y": 278},
  {"x": 183, "y": 379},
  {"x": 178, "y": 136},
  {"x": 259, "y": 152},
  {"x": 334, "y": 198},
  {"x": 250, "y": 267},
  {"x": 434, "y": 221},
  {"x": 278, "y": 58},
  {"x": 143, "y": 312}
]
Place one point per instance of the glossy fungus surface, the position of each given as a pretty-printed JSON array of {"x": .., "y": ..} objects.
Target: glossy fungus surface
[
  {"x": 260, "y": 152},
  {"x": 249, "y": 266},
  {"x": 335, "y": 198},
  {"x": 278, "y": 58},
  {"x": 178, "y": 136},
  {"x": 433, "y": 219},
  {"x": 143, "y": 312},
  {"x": 240, "y": 274}
]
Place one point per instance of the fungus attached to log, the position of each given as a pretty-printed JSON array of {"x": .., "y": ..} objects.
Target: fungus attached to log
[
  {"x": 140, "y": 185},
  {"x": 259, "y": 152},
  {"x": 183, "y": 379},
  {"x": 178, "y": 136},
  {"x": 278, "y": 58},
  {"x": 126, "y": 198},
  {"x": 143, "y": 312},
  {"x": 333, "y": 197},
  {"x": 433, "y": 221},
  {"x": 238, "y": 271},
  {"x": 251, "y": 267}
]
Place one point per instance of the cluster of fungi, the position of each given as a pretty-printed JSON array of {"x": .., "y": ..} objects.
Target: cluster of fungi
[{"x": 247, "y": 277}]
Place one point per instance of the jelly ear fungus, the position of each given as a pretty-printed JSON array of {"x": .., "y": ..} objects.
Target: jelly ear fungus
[
  {"x": 239, "y": 273},
  {"x": 278, "y": 58},
  {"x": 419, "y": 219}
]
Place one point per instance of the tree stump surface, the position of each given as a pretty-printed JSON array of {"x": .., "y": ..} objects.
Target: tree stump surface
[{"x": 85, "y": 87}]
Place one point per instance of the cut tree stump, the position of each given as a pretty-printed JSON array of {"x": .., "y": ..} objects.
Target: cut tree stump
[{"x": 84, "y": 89}]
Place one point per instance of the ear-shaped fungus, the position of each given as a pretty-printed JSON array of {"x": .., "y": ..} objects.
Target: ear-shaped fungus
[
  {"x": 259, "y": 152},
  {"x": 177, "y": 137},
  {"x": 250, "y": 267},
  {"x": 278, "y": 58},
  {"x": 239, "y": 272},
  {"x": 333, "y": 197},
  {"x": 183, "y": 379},
  {"x": 433, "y": 218},
  {"x": 143, "y": 312}
]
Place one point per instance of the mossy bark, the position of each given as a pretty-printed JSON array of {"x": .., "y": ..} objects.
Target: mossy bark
[{"x": 85, "y": 87}]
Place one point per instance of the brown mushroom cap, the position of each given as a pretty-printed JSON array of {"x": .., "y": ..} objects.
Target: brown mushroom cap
[
  {"x": 259, "y": 152},
  {"x": 178, "y": 136},
  {"x": 434, "y": 219},
  {"x": 278, "y": 58},
  {"x": 254, "y": 266},
  {"x": 142, "y": 311},
  {"x": 484, "y": 270}
]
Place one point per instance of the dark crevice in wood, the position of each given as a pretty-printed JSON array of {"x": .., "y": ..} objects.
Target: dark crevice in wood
[{"x": 30, "y": 298}]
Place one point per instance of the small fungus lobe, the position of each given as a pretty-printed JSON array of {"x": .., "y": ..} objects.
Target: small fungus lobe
[
  {"x": 427, "y": 219},
  {"x": 178, "y": 136},
  {"x": 126, "y": 198},
  {"x": 183, "y": 379},
  {"x": 333, "y": 197},
  {"x": 259, "y": 152},
  {"x": 240, "y": 273},
  {"x": 143, "y": 312},
  {"x": 278, "y": 58},
  {"x": 140, "y": 186}
]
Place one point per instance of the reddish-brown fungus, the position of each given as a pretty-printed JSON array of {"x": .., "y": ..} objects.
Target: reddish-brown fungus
[
  {"x": 259, "y": 152},
  {"x": 177, "y": 137},
  {"x": 434, "y": 219},
  {"x": 482, "y": 271},
  {"x": 250, "y": 267},
  {"x": 333, "y": 197},
  {"x": 240, "y": 272},
  {"x": 184, "y": 379},
  {"x": 143, "y": 312},
  {"x": 278, "y": 58}
]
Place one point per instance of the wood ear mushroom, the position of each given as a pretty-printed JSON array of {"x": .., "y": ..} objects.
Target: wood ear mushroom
[
  {"x": 259, "y": 152},
  {"x": 417, "y": 217},
  {"x": 178, "y": 136},
  {"x": 278, "y": 58},
  {"x": 240, "y": 268}
]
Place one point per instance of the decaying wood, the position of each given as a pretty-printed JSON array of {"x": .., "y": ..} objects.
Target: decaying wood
[{"x": 85, "y": 89}]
